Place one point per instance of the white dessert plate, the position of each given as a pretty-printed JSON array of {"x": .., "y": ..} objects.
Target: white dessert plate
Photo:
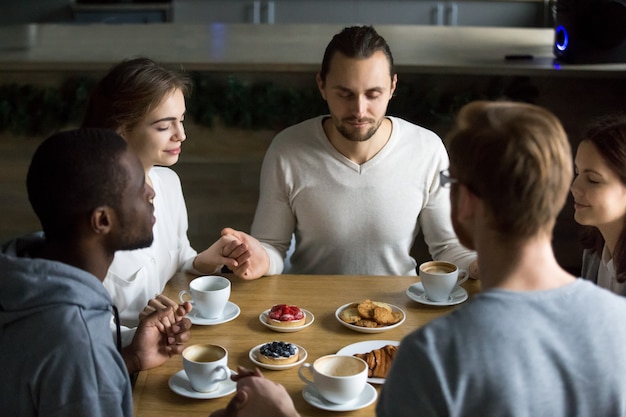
[
  {"x": 364, "y": 347},
  {"x": 179, "y": 383},
  {"x": 231, "y": 312},
  {"x": 362, "y": 329},
  {"x": 367, "y": 397},
  {"x": 417, "y": 293},
  {"x": 254, "y": 355},
  {"x": 309, "y": 318}
]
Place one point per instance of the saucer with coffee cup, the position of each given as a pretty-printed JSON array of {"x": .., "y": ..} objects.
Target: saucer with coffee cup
[
  {"x": 440, "y": 284},
  {"x": 205, "y": 373},
  {"x": 209, "y": 297},
  {"x": 338, "y": 383}
]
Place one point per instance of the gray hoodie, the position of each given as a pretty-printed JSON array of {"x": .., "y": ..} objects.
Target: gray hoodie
[{"x": 56, "y": 350}]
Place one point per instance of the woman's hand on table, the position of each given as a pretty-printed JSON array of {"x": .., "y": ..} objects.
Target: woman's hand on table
[
  {"x": 257, "y": 396},
  {"x": 474, "y": 271},
  {"x": 160, "y": 302}
]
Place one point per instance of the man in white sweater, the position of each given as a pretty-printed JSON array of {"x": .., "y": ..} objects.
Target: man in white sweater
[{"x": 354, "y": 187}]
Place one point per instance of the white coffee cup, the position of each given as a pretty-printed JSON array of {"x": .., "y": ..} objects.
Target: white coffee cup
[
  {"x": 439, "y": 279},
  {"x": 338, "y": 378},
  {"x": 209, "y": 295},
  {"x": 206, "y": 366}
]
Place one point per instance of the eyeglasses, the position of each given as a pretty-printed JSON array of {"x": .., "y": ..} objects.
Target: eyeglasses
[{"x": 445, "y": 180}]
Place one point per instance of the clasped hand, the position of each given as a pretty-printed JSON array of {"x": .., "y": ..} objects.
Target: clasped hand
[{"x": 161, "y": 334}]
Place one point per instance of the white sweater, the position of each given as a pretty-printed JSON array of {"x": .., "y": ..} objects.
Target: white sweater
[
  {"x": 136, "y": 276},
  {"x": 349, "y": 218}
]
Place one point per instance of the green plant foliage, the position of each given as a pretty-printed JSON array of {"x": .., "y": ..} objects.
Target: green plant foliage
[
  {"x": 35, "y": 110},
  {"x": 261, "y": 105}
]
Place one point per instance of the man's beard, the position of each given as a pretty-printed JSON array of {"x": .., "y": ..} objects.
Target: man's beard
[
  {"x": 127, "y": 240},
  {"x": 463, "y": 236},
  {"x": 353, "y": 134}
]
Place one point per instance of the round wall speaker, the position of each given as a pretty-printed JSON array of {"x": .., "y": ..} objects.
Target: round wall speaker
[{"x": 590, "y": 31}]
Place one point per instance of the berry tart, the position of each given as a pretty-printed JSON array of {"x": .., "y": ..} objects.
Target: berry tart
[
  {"x": 278, "y": 353},
  {"x": 283, "y": 315}
]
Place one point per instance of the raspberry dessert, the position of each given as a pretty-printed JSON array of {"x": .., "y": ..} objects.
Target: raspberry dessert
[
  {"x": 278, "y": 353},
  {"x": 283, "y": 315}
]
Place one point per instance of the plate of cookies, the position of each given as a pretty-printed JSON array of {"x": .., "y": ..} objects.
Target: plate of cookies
[
  {"x": 277, "y": 355},
  {"x": 370, "y": 316}
]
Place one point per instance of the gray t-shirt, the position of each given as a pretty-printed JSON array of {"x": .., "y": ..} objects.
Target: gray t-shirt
[{"x": 556, "y": 353}]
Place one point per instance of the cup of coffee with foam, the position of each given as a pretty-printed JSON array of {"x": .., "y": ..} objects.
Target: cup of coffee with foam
[
  {"x": 206, "y": 366},
  {"x": 338, "y": 379},
  {"x": 440, "y": 278}
]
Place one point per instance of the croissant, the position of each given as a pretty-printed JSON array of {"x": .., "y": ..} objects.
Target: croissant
[{"x": 379, "y": 360}]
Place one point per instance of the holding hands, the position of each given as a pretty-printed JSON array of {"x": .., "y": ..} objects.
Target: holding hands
[
  {"x": 159, "y": 335},
  {"x": 161, "y": 302},
  {"x": 257, "y": 262},
  {"x": 228, "y": 250}
]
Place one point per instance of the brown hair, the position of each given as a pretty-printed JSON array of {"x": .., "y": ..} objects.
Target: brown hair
[
  {"x": 129, "y": 92},
  {"x": 609, "y": 137},
  {"x": 516, "y": 157},
  {"x": 356, "y": 42}
]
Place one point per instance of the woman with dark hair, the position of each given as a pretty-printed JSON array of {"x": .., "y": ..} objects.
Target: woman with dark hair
[
  {"x": 144, "y": 102},
  {"x": 599, "y": 191}
]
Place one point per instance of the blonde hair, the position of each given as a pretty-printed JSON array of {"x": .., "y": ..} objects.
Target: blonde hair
[{"x": 517, "y": 158}]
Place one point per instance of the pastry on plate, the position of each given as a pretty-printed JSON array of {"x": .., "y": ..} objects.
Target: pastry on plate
[
  {"x": 283, "y": 315},
  {"x": 379, "y": 360},
  {"x": 278, "y": 353}
]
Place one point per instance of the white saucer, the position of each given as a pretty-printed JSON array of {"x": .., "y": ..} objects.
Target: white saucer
[
  {"x": 416, "y": 293},
  {"x": 179, "y": 383},
  {"x": 302, "y": 355},
  {"x": 309, "y": 318},
  {"x": 231, "y": 312},
  {"x": 362, "y": 329},
  {"x": 364, "y": 347},
  {"x": 367, "y": 397}
]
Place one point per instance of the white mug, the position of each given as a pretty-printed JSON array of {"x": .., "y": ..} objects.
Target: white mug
[
  {"x": 209, "y": 295},
  {"x": 206, "y": 366},
  {"x": 439, "y": 279},
  {"x": 338, "y": 378}
]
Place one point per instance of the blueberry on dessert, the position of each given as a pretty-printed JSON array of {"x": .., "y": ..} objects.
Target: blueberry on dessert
[{"x": 278, "y": 353}]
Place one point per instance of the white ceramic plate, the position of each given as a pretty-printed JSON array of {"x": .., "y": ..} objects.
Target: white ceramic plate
[
  {"x": 231, "y": 312},
  {"x": 367, "y": 397},
  {"x": 370, "y": 329},
  {"x": 417, "y": 293},
  {"x": 179, "y": 383},
  {"x": 309, "y": 318},
  {"x": 364, "y": 347},
  {"x": 254, "y": 352}
]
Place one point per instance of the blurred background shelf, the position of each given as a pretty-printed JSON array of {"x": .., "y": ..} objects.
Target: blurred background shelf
[{"x": 503, "y": 13}]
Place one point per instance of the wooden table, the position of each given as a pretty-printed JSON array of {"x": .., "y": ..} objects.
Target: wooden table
[{"x": 321, "y": 295}]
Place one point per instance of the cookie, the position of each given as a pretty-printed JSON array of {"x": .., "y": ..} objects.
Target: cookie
[{"x": 350, "y": 315}]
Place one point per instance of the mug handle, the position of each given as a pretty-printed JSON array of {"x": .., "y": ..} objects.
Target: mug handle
[
  {"x": 302, "y": 376},
  {"x": 462, "y": 280},
  {"x": 185, "y": 292},
  {"x": 226, "y": 373}
]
